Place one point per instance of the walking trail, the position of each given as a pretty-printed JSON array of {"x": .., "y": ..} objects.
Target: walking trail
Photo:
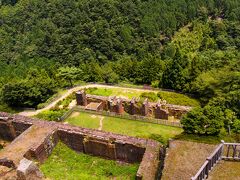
[
  {"x": 69, "y": 92},
  {"x": 100, "y": 123}
]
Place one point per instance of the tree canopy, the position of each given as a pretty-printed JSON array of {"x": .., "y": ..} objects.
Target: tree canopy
[{"x": 190, "y": 46}]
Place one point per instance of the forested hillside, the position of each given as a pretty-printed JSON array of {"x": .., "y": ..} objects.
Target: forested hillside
[{"x": 186, "y": 45}]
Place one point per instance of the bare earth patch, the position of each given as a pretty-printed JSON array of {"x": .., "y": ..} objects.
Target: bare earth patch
[
  {"x": 226, "y": 170},
  {"x": 72, "y": 104},
  {"x": 75, "y": 114},
  {"x": 93, "y": 116},
  {"x": 184, "y": 159},
  {"x": 100, "y": 123}
]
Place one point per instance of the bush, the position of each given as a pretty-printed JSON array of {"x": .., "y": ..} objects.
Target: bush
[
  {"x": 51, "y": 115},
  {"x": 29, "y": 92},
  {"x": 204, "y": 121},
  {"x": 236, "y": 126},
  {"x": 155, "y": 84},
  {"x": 177, "y": 98},
  {"x": 150, "y": 95},
  {"x": 43, "y": 105}
]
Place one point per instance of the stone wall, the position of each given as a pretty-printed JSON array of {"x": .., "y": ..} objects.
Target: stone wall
[
  {"x": 104, "y": 146},
  {"x": 45, "y": 135},
  {"x": 7, "y": 130},
  {"x": 134, "y": 107},
  {"x": 42, "y": 151},
  {"x": 150, "y": 163}
]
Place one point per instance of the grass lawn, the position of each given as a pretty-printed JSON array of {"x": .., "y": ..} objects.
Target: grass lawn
[
  {"x": 65, "y": 163},
  {"x": 124, "y": 126},
  {"x": 170, "y": 97}
]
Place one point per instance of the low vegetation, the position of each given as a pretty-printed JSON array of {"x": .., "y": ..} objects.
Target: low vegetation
[
  {"x": 170, "y": 97},
  {"x": 210, "y": 120},
  {"x": 65, "y": 163},
  {"x": 52, "y": 98},
  {"x": 51, "y": 115},
  {"x": 178, "y": 99}
]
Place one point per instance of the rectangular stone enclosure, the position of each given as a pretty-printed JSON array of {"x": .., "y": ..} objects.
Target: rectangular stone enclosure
[{"x": 34, "y": 139}]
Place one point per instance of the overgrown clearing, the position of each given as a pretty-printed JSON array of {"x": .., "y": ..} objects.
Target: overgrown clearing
[
  {"x": 124, "y": 126},
  {"x": 170, "y": 97},
  {"x": 65, "y": 163},
  {"x": 225, "y": 170},
  {"x": 184, "y": 159}
]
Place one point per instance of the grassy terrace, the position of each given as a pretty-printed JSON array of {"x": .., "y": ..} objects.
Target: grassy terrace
[
  {"x": 123, "y": 126},
  {"x": 170, "y": 97},
  {"x": 226, "y": 170},
  {"x": 65, "y": 163}
]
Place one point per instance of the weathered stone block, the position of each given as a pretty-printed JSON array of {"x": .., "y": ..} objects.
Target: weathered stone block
[
  {"x": 27, "y": 170},
  {"x": 161, "y": 113}
]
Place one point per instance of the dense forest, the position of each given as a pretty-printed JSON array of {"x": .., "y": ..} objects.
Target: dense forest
[{"x": 190, "y": 46}]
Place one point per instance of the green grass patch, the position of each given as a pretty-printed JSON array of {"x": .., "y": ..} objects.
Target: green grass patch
[
  {"x": 65, "y": 163},
  {"x": 170, "y": 97},
  {"x": 123, "y": 126},
  {"x": 99, "y": 91},
  {"x": 178, "y": 99}
]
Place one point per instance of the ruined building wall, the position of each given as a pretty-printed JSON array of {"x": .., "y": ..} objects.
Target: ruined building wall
[
  {"x": 43, "y": 150},
  {"x": 106, "y": 147},
  {"x": 93, "y": 142},
  {"x": 134, "y": 107},
  {"x": 149, "y": 166}
]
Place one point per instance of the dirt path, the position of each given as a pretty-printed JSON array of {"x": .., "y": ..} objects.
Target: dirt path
[
  {"x": 100, "y": 123},
  {"x": 69, "y": 92}
]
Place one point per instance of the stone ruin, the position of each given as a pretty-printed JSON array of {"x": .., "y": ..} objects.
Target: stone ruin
[
  {"x": 159, "y": 110},
  {"x": 34, "y": 140}
]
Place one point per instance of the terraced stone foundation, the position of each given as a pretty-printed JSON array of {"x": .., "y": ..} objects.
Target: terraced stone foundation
[{"x": 36, "y": 139}]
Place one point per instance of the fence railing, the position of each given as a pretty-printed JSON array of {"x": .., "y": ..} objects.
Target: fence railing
[
  {"x": 232, "y": 151},
  {"x": 123, "y": 116},
  {"x": 210, "y": 162},
  {"x": 225, "y": 151}
]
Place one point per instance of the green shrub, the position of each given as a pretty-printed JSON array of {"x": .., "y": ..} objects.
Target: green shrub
[
  {"x": 43, "y": 105},
  {"x": 177, "y": 98},
  {"x": 236, "y": 126},
  {"x": 152, "y": 97},
  {"x": 155, "y": 84},
  {"x": 51, "y": 115},
  {"x": 204, "y": 121},
  {"x": 65, "y": 102}
]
